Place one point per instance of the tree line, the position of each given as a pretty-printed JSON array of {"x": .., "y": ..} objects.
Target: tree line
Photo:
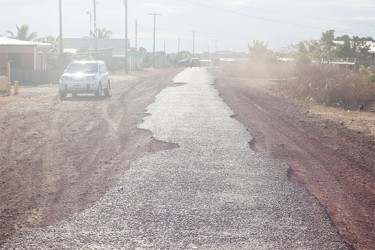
[{"x": 328, "y": 47}]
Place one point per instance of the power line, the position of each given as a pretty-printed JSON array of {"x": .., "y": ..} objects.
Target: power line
[
  {"x": 265, "y": 19},
  {"x": 296, "y": 14},
  {"x": 108, "y": 8}
]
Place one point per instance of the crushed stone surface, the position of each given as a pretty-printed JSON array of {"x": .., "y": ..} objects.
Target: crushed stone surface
[{"x": 213, "y": 192}]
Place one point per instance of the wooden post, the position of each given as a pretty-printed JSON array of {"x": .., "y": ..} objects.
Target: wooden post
[
  {"x": 8, "y": 89},
  {"x": 8, "y": 71},
  {"x": 16, "y": 84}
]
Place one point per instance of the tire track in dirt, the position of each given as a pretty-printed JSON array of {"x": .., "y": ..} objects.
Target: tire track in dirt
[{"x": 60, "y": 157}]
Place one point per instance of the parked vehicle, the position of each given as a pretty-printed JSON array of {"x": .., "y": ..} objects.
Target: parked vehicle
[
  {"x": 184, "y": 63},
  {"x": 85, "y": 77},
  {"x": 195, "y": 62}
]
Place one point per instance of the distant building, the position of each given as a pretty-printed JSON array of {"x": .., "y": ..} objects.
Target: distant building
[
  {"x": 77, "y": 44},
  {"x": 229, "y": 56},
  {"x": 112, "y": 51}
]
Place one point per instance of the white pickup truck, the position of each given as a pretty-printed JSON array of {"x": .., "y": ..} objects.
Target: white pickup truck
[{"x": 85, "y": 77}]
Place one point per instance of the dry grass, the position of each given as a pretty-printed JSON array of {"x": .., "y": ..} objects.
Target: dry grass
[
  {"x": 331, "y": 85},
  {"x": 318, "y": 83},
  {"x": 253, "y": 70}
]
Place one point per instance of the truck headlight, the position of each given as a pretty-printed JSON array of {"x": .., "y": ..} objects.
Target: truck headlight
[{"x": 64, "y": 79}]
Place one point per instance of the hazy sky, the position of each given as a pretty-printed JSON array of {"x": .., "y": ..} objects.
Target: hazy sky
[{"x": 221, "y": 24}]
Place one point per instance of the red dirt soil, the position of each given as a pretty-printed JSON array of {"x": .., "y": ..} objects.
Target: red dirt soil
[
  {"x": 333, "y": 162},
  {"x": 58, "y": 157}
]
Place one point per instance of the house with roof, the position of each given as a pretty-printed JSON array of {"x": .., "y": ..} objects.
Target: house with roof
[{"x": 26, "y": 55}]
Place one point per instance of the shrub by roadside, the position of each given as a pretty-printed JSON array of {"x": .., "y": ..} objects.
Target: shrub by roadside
[
  {"x": 330, "y": 85},
  {"x": 325, "y": 84},
  {"x": 275, "y": 70}
]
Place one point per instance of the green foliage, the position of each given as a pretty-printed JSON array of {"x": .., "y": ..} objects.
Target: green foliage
[
  {"x": 257, "y": 71},
  {"x": 142, "y": 50},
  {"x": 302, "y": 56},
  {"x": 174, "y": 58},
  {"x": 162, "y": 59},
  {"x": 355, "y": 47},
  {"x": 330, "y": 85},
  {"x": 259, "y": 53},
  {"x": 53, "y": 51},
  {"x": 329, "y": 47},
  {"x": 22, "y": 34},
  {"x": 327, "y": 38},
  {"x": 367, "y": 71},
  {"x": 101, "y": 33}
]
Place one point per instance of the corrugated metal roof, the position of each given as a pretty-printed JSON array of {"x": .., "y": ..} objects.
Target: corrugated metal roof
[
  {"x": 118, "y": 45},
  {"x": 6, "y": 41}
]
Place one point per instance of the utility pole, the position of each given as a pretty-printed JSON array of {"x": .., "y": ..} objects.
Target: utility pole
[
  {"x": 61, "y": 52},
  {"x": 194, "y": 41},
  {"x": 90, "y": 14},
  {"x": 153, "y": 51},
  {"x": 126, "y": 37},
  {"x": 95, "y": 28},
  {"x": 90, "y": 31},
  {"x": 178, "y": 47},
  {"x": 136, "y": 44}
]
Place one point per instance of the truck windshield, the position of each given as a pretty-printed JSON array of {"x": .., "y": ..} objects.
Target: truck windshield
[{"x": 82, "y": 68}]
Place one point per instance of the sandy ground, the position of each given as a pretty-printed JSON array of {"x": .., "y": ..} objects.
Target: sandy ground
[{"x": 58, "y": 157}]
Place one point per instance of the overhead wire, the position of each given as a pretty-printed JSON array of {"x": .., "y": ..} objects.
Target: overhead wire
[
  {"x": 296, "y": 14},
  {"x": 266, "y": 19}
]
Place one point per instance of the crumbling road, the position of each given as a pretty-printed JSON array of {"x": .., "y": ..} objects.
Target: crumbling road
[
  {"x": 208, "y": 191},
  {"x": 58, "y": 157}
]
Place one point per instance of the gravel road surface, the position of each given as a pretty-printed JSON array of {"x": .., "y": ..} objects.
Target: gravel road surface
[{"x": 212, "y": 192}]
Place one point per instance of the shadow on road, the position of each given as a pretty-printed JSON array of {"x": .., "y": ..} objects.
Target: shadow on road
[{"x": 86, "y": 98}]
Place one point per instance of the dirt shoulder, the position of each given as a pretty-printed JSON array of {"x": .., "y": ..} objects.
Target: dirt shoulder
[
  {"x": 330, "y": 152},
  {"x": 58, "y": 157}
]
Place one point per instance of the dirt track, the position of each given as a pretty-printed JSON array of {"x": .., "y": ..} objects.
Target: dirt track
[
  {"x": 336, "y": 164},
  {"x": 57, "y": 158}
]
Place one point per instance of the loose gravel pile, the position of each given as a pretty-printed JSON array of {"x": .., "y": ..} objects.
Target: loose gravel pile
[{"x": 212, "y": 192}]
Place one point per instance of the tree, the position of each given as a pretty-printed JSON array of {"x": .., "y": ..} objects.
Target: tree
[
  {"x": 101, "y": 33},
  {"x": 53, "y": 51},
  {"x": 260, "y": 53},
  {"x": 302, "y": 56},
  {"x": 355, "y": 47},
  {"x": 142, "y": 50},
  {"x": 22, "y": 34},
  {"x": 328, "y": 45},
  {"x": 345, "y": 49}
]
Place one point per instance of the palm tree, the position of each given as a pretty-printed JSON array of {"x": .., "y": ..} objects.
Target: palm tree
[
  {"x": 53, "y": 51},
  {"x": 101, "y": 33},
  {"x": 23, "y": 34}
]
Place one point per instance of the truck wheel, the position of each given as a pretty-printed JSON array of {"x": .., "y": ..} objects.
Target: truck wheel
[
  {"x": 98, "y": 92},
  {"x": 62, "y": 95},
  {"x": 108, "y": 89}
]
